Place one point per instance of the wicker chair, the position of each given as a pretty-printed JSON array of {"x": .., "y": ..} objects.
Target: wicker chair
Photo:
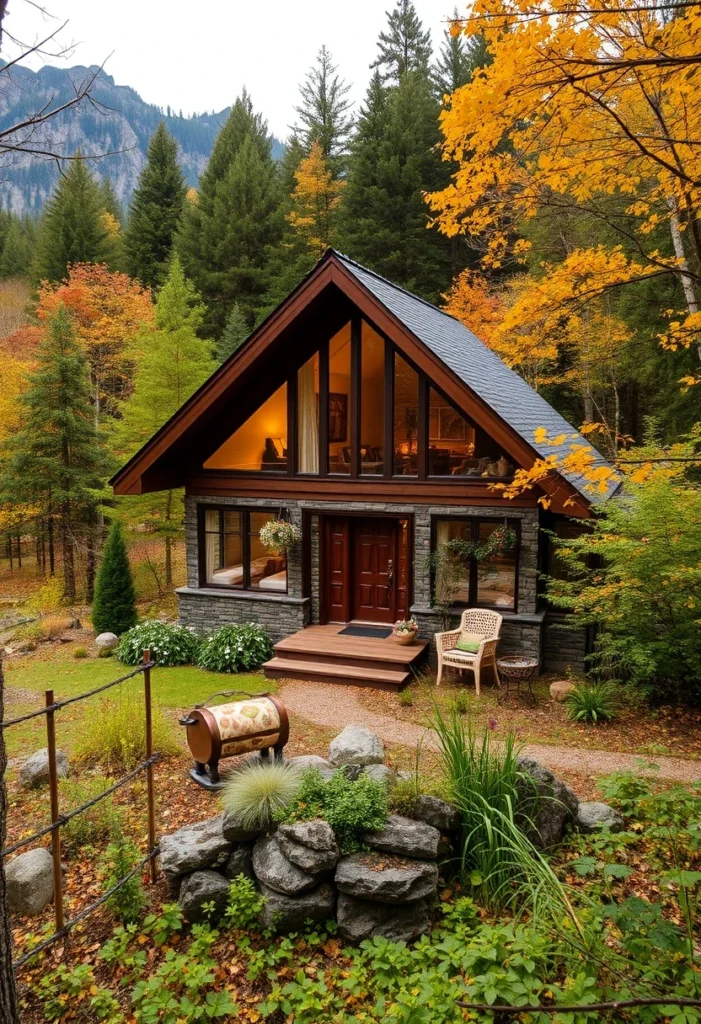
[{"x": 481, "y": 622}]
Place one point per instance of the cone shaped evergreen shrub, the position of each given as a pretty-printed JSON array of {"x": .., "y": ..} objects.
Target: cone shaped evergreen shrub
[{"x": 114, "y": 607}]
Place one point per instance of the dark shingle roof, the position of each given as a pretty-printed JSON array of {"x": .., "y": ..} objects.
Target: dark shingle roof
[{"x": 480, "y": 368}]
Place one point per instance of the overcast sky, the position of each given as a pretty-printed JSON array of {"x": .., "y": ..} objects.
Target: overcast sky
[{"x": 197, "y": 55}]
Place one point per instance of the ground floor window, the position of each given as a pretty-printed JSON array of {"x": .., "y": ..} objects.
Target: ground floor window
[
  {"x": 232, "y": 555},
  {"x": 486, "y": 583}
]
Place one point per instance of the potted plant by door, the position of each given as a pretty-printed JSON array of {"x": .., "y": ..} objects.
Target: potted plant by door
[{"x": 405, "y": 630}]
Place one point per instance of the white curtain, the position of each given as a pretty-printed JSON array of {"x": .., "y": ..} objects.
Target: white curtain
[
  {"x": 307, "y": 419},
  {"x": 212, "y": 551}
]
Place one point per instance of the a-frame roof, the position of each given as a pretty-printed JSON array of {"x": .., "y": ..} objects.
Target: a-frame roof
[
  {"x": 487, "y": 379},
  {"x": 509, "y": 395}
]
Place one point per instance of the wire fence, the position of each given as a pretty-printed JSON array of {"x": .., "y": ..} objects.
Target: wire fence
[{"x": 63, "y": 927}]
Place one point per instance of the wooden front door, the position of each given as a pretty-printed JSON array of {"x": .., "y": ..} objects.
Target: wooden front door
[
  {"x": 365, "y": 569},
  {"x": 374, "y": 552}
]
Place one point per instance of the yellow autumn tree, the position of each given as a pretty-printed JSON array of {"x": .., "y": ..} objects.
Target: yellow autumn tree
[
  {"x": 582, "y": 104},
  {"x": 315, "y": 202}
]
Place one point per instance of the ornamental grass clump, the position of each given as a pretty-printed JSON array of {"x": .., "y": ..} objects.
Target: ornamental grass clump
[
  {"x": 260, "y": 791},
  {"x": 593, "y": 702},
  {"x": 241, "y": 648},
  {"x": 114, "y": 737},
  {"x": 168, "y": 642},
  {"x": 496, "y": 857}
]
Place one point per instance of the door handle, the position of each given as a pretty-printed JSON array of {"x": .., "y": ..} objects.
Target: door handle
[{"x": 390, "y": 570}]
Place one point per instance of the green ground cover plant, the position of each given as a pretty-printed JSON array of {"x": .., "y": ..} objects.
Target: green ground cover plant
[
  {"x": 351, "y": 807},
  {"x": 593, "y": 702}
]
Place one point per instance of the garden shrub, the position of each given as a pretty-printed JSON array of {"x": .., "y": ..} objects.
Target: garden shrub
[
  {"x": 593, "y": 702},
  {"x": 168, "y": 642},
  {"x": 80, "y": 652},
  {"x": 115, "y": 735},
  {"x": 635, "y": 575},
  {"x": 350, "y": 807},
  {"x": 129, "y": 901},
  {"x": 99, "y": 823},
  {"x": 240, "y": 648},
  {"x": 260, "y": 790},
  {"x": 114, "y": 604}
]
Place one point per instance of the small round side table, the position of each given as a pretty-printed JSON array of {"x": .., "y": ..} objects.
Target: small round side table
[{"x": 515, "y": 670}]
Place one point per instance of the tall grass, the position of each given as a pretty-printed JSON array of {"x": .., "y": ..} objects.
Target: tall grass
[
  {"x": 113, "y": 733},
  {"x": 496, "y": 857}
]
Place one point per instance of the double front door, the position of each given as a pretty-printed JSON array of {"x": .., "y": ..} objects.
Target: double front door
[{"x": 365, "y": 569}]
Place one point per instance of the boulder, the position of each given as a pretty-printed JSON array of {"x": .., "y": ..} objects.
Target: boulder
[
  {"x": 193, "y": 847},
  {"x": 240, "y": 861},
  {"x": 383, "y": 879},
  {"x": 545, "y": 804},
  {"x": 593, "y": 816},
  {"x": 35, "y": 770},
  {"x": 203, "y": 887},
  {"x": 106, "y": 642},
  {"x": 289, "y": 913},
  {"x": 311, "y": 845},
  {"x": 30, "y": 882},
  {"x": 360, "y": 919},
  {"x": 439, "y": 813},
  {"x": 560, "y": 688},
  {"x": 406, "y": 838},
  {"x": 380, "y": 772},
  {"x": 273, "y": 869},
  {"x": 356, "y": 745},
  {"x": 304, "y": 761},
  {"x": 235, "y": 832}
]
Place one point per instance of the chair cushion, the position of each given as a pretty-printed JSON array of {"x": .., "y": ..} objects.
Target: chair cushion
[
  {"x": 472, "y": 646},
  {"x": 471, "y": 638}
]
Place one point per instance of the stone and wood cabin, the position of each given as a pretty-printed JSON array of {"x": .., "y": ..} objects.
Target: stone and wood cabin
[{"x": 378, "y": 424}]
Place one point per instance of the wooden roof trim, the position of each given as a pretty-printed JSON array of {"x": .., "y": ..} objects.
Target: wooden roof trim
[{"x": 126, "y": 479}]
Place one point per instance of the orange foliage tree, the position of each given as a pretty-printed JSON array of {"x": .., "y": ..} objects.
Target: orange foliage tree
[
  {"x": 108, "y": 309},
  {"x": 592, "y": 108}
]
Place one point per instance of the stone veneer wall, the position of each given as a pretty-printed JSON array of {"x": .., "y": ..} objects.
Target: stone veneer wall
[{"x": 284, "y": 614}]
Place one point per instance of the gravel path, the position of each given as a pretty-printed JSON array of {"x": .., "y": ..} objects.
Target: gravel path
[{"x": 330, "y": 705}]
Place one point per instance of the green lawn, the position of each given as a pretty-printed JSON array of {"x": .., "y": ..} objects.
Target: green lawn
[{"x": 173, "y": 688}]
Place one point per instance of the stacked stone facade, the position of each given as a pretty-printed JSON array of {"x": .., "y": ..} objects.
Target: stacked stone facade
[{"x": 523, "y": 631}]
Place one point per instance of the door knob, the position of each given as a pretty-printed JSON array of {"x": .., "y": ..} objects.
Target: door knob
[{"x": 390, "y": 570}]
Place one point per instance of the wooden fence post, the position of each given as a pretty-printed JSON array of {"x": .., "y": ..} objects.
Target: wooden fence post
[
  {"x": 53, "y": 792},
  {"x": 149, "y": 770}
]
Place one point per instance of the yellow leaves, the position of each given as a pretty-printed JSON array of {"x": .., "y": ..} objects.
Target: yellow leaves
[
  {"x": 315, "y": 200},
  {"x": 110, "y": 224}
]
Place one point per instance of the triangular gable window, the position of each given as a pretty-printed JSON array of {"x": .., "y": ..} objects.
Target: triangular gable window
[
  {"x": 358, "y": 408},
  {"x": 259, "y": 444}
]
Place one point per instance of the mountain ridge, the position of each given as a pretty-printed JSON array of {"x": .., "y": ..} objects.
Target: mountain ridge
[{"x": 118, "y": 123}]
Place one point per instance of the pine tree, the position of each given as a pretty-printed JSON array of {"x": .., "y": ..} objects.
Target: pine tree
[
  {"x": 72, "y": 229},
  {"x": 56, "y": 458},
  {"x": 405, "y": 46},
  {"x": 172, "y": 363},
  {"x": 234, "y": 334},
  {"x": 156, "y": 208},
  {"x": 114, "y": 605},
  {"x": 384, "y": 217},
  {"x": 457, "y": 59},
  {"x": 110, "y": 203},
  {"x": 16, "y": 250},
  {"x": 324, "y": 110},
  {"x": 228, "y": 232}
]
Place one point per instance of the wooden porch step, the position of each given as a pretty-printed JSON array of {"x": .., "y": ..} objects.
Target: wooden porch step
[{"x": 336, "y": 672}]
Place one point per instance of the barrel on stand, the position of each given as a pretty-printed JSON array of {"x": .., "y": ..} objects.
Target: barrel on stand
[{"x": 259, "y": 722}]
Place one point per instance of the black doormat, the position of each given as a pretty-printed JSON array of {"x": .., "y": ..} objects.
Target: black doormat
[{"x": 379, "y": 632}]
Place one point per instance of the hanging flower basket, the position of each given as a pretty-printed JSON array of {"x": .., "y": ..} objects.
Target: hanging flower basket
[{"x": 277, "y": 535}]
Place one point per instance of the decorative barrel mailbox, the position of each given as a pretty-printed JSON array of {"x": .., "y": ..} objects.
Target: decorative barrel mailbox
[{"x": 257, "y": 721}]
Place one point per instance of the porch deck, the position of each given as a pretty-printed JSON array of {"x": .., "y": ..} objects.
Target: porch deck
[{"x": 322, "y": 654}]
